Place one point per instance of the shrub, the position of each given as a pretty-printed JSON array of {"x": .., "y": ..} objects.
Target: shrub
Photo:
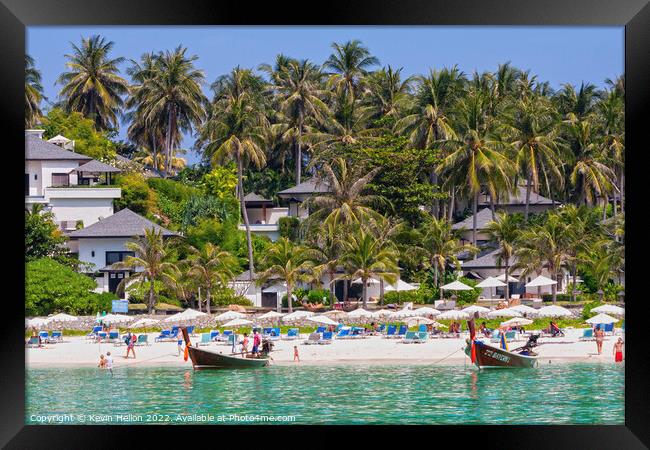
[
  {"x": 560, "y": 297},
  {"x": 139, "y": 292},
  {"x": 421, "y": 295},
  {"x": 173, "y": 190},
  {"x": 586, "y": 309},
  {"x": 227, "y": 296},
  {"x": 317, "y": 295},
  {"x": 136, "y": 194},
  {"x": 50, "y": 287},
  {"x": 289, "y": 227}
]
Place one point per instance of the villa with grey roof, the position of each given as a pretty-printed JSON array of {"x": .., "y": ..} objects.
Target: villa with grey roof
[
  {"x": 103, "y": 244},
  {"x": 75, "y": 188}
]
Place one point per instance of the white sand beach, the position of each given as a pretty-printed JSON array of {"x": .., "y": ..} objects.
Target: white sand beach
[{"x": 76, "y": 351}]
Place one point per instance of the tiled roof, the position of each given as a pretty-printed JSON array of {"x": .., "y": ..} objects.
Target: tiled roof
[
  {"x": 518, "y": 198},
  {"x": 96, "y": 166},
  {"x": 486, "y": 261},
  {"x": 483, "y": 217},
  {"x": 311, "y": 186},
  {"x": 124, "y": 223},
  {"x": 38, "y": 149},
  {"x": 253, "y": 197}
]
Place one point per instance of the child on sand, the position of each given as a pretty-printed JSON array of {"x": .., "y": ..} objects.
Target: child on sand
[
  {"x": 102, "y": 362},
  {"x": 244, "y": 345},
  {"x": 109, "y": 362},
  {"x": 618, "y": 350},
  {"x": 295, "y": 353}
]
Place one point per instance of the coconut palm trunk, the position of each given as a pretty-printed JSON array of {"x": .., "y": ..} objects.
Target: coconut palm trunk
[
  {"x": 289, "y": 298},
  {"x": 152, "y": 296},
  {"x": 381, "y": 292},
  {"x": 507, "y": 264},
  {"x": 528, "y": 189},
  {"x": 554, "y": 287},
  {"x": 249, "y": 241},
  {"x": 168, "y": 150},
  {"x": 452, "y": 200},
  {"x": 299, "y": 152},
  {"x": 207, "y": 301},
  {"x": 332, "y": 289},
  {"x": 622, "y": 187},
  {"x": 364, "y": 291},
  {"x": 575, "y": 279},
  {"x": 474, "y": 225}
]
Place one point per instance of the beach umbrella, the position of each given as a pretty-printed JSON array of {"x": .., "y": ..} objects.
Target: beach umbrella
[
  {"x": 610, "y": 309},
  {"x": 426, "y": 311},
  {"x": 229, "y": 315},
  {"x": 506, "y": 312},
  {"x": 482, "y": 310},
  {"x": 116, "y": 318},
  {"x": 400, "y": 286},
  {"x": 412, "y": 321},
  {"x": 336, "y": 314},
  {"x": 62, "y": 317},
  {"x": 525, "y": 309},
  {"x": 516, "y": 322},
  {"x": 541, "y": 281},
  {"x": 402, "y": 314},
  {"x": 188, "y": 314},
  {"x": 453, "y": 314},
  {"x": 322, "y": 319},
  {"x": 270, "y": 315},
  {"x": 490, "y": 283},
  {"x": 456, "y": 286},
  {"x": 142, "y": 323},
  {"x": 360, "y": 312},
  {"x": 297, "y": 315},
  {"x": 511, "y": 279},
  {"x": 237, "y": 323},
  {"x": 554, "y": 311},
  {"x": 602, "y": 318},
  {"x": 36, "y": 322},
  {"x": 381, "y": 313}
]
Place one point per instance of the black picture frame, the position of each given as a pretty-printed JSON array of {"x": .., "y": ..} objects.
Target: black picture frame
[{"x": 633, "y": 14}]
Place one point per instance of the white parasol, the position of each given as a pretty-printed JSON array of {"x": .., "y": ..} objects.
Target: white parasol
[
  {"x": 506, "y": 312},
  {"x": 237, "y": 323},
  {"x": 602, "y": 318},
  {"x": 229, "y": 315},
  {"x": 456, "y": 286},
  {"x": 610, "y": 309},
  {"x": 426, "y": 311},
  {"x": 516, "y": 322},
  {"x": 62, "y": 317},
  {"x": 541, "y": 281},
  {"x": 453, "y": 314},
  {"x": 188, "y": 314},
  {"x": 322, "y": 319},
  {"x": 554, "y": 311},
  {"x": 482, "y": 310},
  {"x": 116, "y": 318}
]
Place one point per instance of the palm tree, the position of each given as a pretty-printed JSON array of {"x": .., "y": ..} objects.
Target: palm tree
[
  {"x": 578, "y": 228},
  {"x": 152, "y": 261},
  {"x": 367, "y": 256},
  {"x": 348, "y": 64},
  {"x": 611, "y": 119},
  {"x": 212, "y": 268},
  {"x": 93, "y": 86},
  {"x": 326, "y": 246},
  {"x": 345, "y": 203},
  {"x": 475, "y": 161},
  {"x": 531, "y": 128},
  {"x": 235, "y": 130},
  {"x": 387, "y": 94},
  {"x": 504, "y": 231},
  {"x": 288, "y": 261},
  {"x": 299, "y": 97},
  {"x": 577, "y": 104},
  {"x": 171, "y": 95},
  {"x": 33, "y": 93},
  {"x": 590, "y": 177},
  {"x": 441, "y": 244},
  {"x": 546, "y": 245}
]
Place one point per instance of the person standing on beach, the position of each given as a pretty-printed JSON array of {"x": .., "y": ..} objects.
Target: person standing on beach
[
  {"x": 618, "y": 350},
  {"x": 256, "y": 343},
  {"x": 179, "y": 342},
  {"x": 296, "y": 357},
  {"x": 244, "y": 345},
  {"x": 102, "y": 362},
  {"x": 600, "y": 336},
  {"x": 109, "y": 362},
  {"x": 130, "y": 345}
]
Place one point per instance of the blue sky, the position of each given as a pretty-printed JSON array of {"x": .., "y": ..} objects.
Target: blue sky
[{"x": 555, "y": 54}]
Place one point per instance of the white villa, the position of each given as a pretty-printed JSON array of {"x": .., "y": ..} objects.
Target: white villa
[
  {"x": 264, "y": 217},
  {"x": 68, "y": 184},
  {"x": 102, "y": 244}
]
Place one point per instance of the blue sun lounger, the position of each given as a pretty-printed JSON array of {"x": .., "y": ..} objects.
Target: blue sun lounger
[
  {"x": 143, "y": 339},
  {"x": 292, "y": 334},
  {"x": 320, "y": 330},
  {"x": 214, "y": 335},
  {"x": 205, "y": 339},
  {"x": 93, "y": 334},
  {"x": 165, "y": 335},
  {"x": 44, "y": 335},
  {"x": 57, "y": 336},
  {"x": 587, "y": 333},
  {"x": 327, "y": 338},
  {"x": 402, "y": 331},
  {"x": 409, "y": 337},
  {"x": 344, "y": 333},
  {"x": 390, "y": 331},
  {"x": 275, "y": 334}
]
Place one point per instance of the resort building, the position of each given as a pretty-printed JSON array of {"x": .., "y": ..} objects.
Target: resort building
[
  {"x": 516, "y": 203},
  {"x": 103, "y": 244},
  {"x": 74, "y": 187},
  {"x": 263, "y": 216},
  {"x": 465, "y": 226},
  {"x": 296, "y": 196}
]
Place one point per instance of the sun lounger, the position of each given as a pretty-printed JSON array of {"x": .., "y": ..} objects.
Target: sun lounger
[
  {"x": 496, "y": 336},
  {"x": 358, "y": 333},
  {"x": 291, "y": 335},
  {"x": 102, "y": 336},
  {"x": 320, "y": 330},
  {"x": 511, "y": 336},
  {"x": 205, "y": 339},
  {"x": 587, "y": 334},
  {"x": 143, "y": 339},
  {"x": 314, "y": 338},
  {"x": 344, "y": 333},
  {"x": 402, "y": 331},
  {"x": 165, "y": 335},
  {"x": 93, "y": 334},
  {"x": 390, "y": 331},
  {"x": 214, "y": 335},
  {"x": 113, "y": 337},
  {"x": 423, "y": 336},
  {"x": 44, "y": 335},
  {"x": 33, "y": 342},
  {"x": 609, "y": 328},
  {"x": 190, "y": 330},
  {"x": 409, "y": 337},
  {"x": 266, "y": 332},
  {"x": 327, "y": 338},
  {"x": 422, "y": 328},
  {"x": 57, "y": 336}
]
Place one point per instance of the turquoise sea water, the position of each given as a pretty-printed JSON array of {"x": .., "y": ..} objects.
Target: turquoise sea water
[{"x": 357, "y": 394}]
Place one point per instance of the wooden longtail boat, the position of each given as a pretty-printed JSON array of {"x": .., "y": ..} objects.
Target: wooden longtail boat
[
  {"x": 206, "y": 359},
  {"x": 488, "y": 357}
]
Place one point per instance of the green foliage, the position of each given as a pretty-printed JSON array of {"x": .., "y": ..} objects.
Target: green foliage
[
  {"x": 227, "y": 296},
  {"x": 139, "y": 292},
  {"x": 88, "y": 141},
  {"x": 586, "y": 309},
  {"x": 289, "y": 227},
  {"x": 192, "y": 175},
  {"x": 207, "y": 207},
  {"x": 317, "y": 296},
  {"x": 561, "y": 297},
  {"x": 220, "y": 182},
  {"x": 42, "y": 236},
  {"x": 173, "y": 190},
  {"x": 267, "y": 182},
  {"x": 136, "y": 194},
  {"x": 53, "y": 287}
]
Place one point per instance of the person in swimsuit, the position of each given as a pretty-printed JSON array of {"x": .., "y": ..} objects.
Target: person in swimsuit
[
  {"x": 600, "y": 336},
  {"x": 296, "y": 357},
  {"x": 130, "y": 346},
  {"x": 618, "y": 350},
  {"x": 244, "y": 345},
  {"x": 109, "y": 362},
  {"x": 102, "y": 362}
]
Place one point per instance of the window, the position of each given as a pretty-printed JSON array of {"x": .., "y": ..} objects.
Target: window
[
  {"x": 60, "y": 179},
  {"x": 113, "y": 257}
]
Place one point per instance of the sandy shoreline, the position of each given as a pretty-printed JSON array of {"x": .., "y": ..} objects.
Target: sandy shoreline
[{"x": 77, "y": 352}]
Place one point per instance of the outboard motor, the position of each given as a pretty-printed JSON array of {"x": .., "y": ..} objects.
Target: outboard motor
[{"x": 267, "y": 346}]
